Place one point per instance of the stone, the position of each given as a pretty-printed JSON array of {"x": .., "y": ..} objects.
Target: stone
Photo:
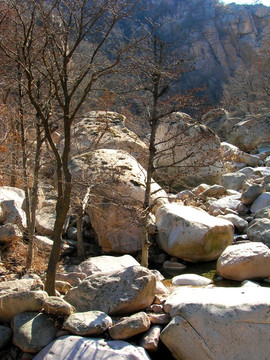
[
  {"x": 73, "y": 277},
  {"x": 190, "y": 279},
  {"x": 234, "y": 154},
  {"x": 178, "y": 165},
  {"x": 62, "y": 286},
  {"x": 17, "y": 302},
  {"x": 130, "y": 326},
  {"x": 57, "y": 306},
  {"x": 80, "y": 348},
  {"x": 45, "y": 219},
  {"x": 9, "y": 233},
  {"x": 72, "y": 233},
  {"x": 244, "y": 262},
  {"x": 251, "y": 194},
  {"x": 234, "y": 181},
  {"x": 261, "y": 202},
  {"x": 5, "y": 335},
  {"x": 109, "y": 127},
  {"x": 218, "y": 323},
  {"x": 173, "y": 265},
  {"x": 239, "y": 223},
  {"x": 112, "y": 293},
  {"x": 250, "y": 132},
  {"x": 12, "y": 204},
  {"x": 87, "y": 323},
  {"x": 150, "y": 340},
  {"x": 227, "y": 202},
  {"x": 20, "y": 285},
  {"x": 214, "y": 191},
  {"x": 263, "y": 213},
  {"x": 32, "y": 331},
  {"x": 259, "y": 230},
  {"x": 159, "y": 319},
  {"x": 192, "y": 234},
  {"x": 117, "y": 197},
  {"x": 44, "y": 243},
  {"x": 248, "y": 283},
  {"x": 105, "y": 263}
]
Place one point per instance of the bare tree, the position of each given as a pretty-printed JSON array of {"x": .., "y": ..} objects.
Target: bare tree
[{"x": 51, "y": 37}]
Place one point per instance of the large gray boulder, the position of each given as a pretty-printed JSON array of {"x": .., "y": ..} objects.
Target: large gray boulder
[
  {"x": 117, "y": 292},
  {"x": 244, "y": 261},
  {"x": 251, "y": 132},
  {"x": 192, "y": 234},
  {"x": 80, "y": 348},
  {"x": 261, "y": 202},
  {"x": 218, "y": 324},
  {"x": 117, "y": 184},
  {"x": 181, "y": 164},
  {"x": 32, "y": 331},
  {"x": 234, "y": 181}
]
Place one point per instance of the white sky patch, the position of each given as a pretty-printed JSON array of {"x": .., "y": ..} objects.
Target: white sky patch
[{"x": 248, "y": 2}]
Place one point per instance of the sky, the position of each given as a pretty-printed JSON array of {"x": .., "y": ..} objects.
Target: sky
[{"x": 265, "y": 2}]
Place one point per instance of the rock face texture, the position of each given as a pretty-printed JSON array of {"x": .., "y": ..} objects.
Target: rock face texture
[
  {"x": 179, "y": 163},
  {"x": 117, "y": 183},
  {"x": 218, "y": 323},
  {"x": 192, "y": 234}
]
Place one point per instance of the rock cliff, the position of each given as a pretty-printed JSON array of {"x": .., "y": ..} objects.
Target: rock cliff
[{"x": 217, "y": 37}]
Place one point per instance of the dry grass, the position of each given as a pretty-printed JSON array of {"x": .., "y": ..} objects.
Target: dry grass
[{"x": 14, "y": 255}]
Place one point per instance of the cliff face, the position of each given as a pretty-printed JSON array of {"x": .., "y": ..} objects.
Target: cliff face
[{"x": 217, "y": 37}]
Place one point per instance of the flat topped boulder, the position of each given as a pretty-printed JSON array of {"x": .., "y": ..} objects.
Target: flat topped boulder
[
  {"x": 218, "y": 323},
  {"x": 192, "y": 234}
]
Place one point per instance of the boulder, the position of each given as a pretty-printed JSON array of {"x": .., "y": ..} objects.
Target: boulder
[
  {"x": 57, "y": 306},
  {"x": 130, "y": 326},
  {"x": 239, "y": 223},
  {"x": 112, "y": 293},
  {"x": 150, "y": 340},
  {"x": 80, "y": 348},
  {"x": 179, "y": 164},
  {"x": 20, "y": 285},
  {"x": 17, "y": 302},
  {"x": 12, "y": 205},
  {"x": 105, "y": 263},
  {"x": 87, "y": 323},
  {"x": 261, "y": 202},
  {"x": 5, "y": 335},
  {"x": 251, "y": 194},
  {"x": 45, "y": 219},
  {"x": 232, "y": 202},
  {"x": 214, "y": 191},
  {"x": 192, "y": 234},
  {"x": 107, "y": 130},
  {"x": 73, "y": 277},
  {"x": 259, "y": 230},
  {"x": 250, "y": 132},
  {"x": 117, "y": 197},
  {"x": 244, "y": 261},
  {"x": 234, "y": 154},
  {"x": 191, "y": 279},
  {"x": 234, "y": 181},
  {"x": 218, "y": 323},
  {"x": 216, "y": 120},
  {"x": 9, "y": 233},
  {"x": 32, "y": 331}
]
